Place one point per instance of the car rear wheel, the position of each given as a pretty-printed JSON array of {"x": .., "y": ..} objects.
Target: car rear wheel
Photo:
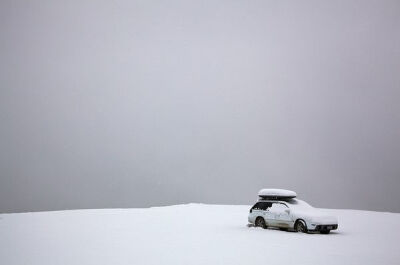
[
  {"x": 300, "y": 226},
  {"x": 260, "y": 222}
]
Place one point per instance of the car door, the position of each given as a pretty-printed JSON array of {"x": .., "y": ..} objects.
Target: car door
[
  {"x": 261, "y": 209},
  {"x": 281, "y": 216},
  {"x": 266, "y": 214}
]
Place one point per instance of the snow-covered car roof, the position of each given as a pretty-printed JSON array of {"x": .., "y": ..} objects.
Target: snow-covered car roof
[{"x": 276, "y": 194}]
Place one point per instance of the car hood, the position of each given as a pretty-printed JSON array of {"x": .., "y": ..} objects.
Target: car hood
[{"x": 316, "y": 216}]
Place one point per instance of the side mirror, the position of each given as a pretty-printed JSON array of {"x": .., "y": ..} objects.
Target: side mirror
[{"x": 251, "y": 210}]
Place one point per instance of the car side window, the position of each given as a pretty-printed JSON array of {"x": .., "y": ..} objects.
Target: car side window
[
  {"x": 278, "y": 207},
  {"x": 266, "y": 205},
  {"x": 256, "y": 206},
  {"x": 262, "y": 206}
]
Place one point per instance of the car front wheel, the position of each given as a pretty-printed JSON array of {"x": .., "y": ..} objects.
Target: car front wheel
[{"x": 301, "y": 226}]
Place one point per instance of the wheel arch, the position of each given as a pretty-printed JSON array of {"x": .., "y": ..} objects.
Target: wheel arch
[
  {"x": 259, "y": 216},
  {"x": 299, "y": 220},
  {"x": 264, "y": 225}
]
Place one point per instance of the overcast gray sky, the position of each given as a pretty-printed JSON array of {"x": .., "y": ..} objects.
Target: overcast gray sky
[{"x": 145, "y": 103}]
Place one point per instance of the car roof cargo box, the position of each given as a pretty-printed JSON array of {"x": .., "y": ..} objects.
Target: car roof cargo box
[{"x": 276, "y": 194}]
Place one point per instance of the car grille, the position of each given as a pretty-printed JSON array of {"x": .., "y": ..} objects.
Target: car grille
[{"x": 326, "y": 227}]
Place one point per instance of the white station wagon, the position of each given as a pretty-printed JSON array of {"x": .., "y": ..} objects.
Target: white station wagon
[{"x": 280, "y": 208}]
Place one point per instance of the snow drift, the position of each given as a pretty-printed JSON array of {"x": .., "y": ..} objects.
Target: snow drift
[{"x": 190, "y": 234}]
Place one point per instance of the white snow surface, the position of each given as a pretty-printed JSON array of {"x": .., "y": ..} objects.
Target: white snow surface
[{"x": 190, "y": 234}]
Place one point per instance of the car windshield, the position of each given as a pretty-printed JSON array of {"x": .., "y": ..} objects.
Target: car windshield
[{"x": 298, "y": 204}]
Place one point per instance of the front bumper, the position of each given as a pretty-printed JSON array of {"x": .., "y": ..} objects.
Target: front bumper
[{"x": 325, "y": 227}]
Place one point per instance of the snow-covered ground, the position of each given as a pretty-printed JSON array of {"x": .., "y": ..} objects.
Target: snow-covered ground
[{"x": 191, "y": 234}]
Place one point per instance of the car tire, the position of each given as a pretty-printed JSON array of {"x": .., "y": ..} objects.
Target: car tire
[
  {"x": 325, "y": 232},
  {"x": 300, "y": 226},
  {"x": 260, "y": 222}
]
